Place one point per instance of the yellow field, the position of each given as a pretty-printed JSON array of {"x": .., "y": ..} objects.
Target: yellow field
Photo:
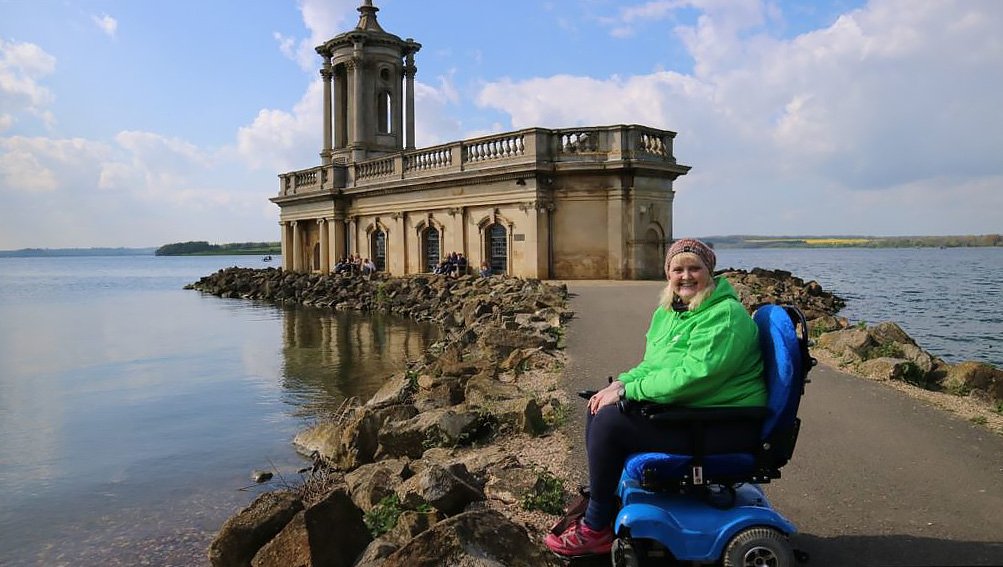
[{"x": 835, "y": 241}]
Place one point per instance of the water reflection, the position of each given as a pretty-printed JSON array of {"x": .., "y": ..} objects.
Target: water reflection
[{"x": 329, "y": 356}]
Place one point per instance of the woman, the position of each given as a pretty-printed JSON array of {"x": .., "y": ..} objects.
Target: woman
[{"x": 702, "y": 349}]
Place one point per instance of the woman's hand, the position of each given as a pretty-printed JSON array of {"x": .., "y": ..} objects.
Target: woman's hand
[{"x": 609, "y": 395}]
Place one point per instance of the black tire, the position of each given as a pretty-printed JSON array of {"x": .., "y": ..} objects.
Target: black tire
[
  {"x": 759, "y": 547},
  {"x": 624, "y": 554}
]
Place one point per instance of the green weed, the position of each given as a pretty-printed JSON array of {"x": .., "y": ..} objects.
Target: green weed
[
  {"x": 383, "y": 517},
  {"x": 547, "y": 495}
]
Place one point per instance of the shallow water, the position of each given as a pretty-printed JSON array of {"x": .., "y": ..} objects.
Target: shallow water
[
  {"x": 948, "y": 299},
  {"x": 133, "y": 411}
]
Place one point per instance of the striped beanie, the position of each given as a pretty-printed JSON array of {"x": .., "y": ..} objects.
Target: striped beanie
[{"x": 693, "y": 246}]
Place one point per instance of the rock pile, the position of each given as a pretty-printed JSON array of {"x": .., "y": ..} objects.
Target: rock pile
[
  {"x": 886, "y": 352},
  {"x": 759, "y": 287},
  {"x": 421, "y": 451}
]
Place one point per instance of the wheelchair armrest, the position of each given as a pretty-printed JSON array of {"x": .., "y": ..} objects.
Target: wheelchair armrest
[{"x": 662, "y": 412}]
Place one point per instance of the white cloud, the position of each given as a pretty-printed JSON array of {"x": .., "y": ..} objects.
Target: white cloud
[
  {"x": 622, "y": 26},
  {"x": 22, "y": 66},
  {"x": 278, "y": 140},
  {"x": 142, "y": 189},
  {"x": 106, "y": 24},
  {"x": 42, "y": 164},
  {"x": 325, "y": 19},
  {"x": 890, "y": 97}
]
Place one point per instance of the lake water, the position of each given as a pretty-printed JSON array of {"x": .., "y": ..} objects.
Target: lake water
[
  {"x": 132, "y": 412},
  {"x": 948, "y": 299}
]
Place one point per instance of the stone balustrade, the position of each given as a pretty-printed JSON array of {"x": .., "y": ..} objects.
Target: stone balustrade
[
  {"x": 529, "y": 146},
  {"x": 305, "y": 181},
  {"x": 439, "y": 157},
  {"x": 375, "y": 168},
  {"x": 494, "y": 148}
]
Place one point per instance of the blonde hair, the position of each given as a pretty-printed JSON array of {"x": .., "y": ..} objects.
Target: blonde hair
[{"x": 669, "y": 295}]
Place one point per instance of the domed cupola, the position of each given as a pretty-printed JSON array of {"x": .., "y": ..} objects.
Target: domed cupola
[{"x": 369, "y": 91}]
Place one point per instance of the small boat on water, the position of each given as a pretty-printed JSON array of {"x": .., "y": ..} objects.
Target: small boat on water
[{"x": 266, "y": 259}]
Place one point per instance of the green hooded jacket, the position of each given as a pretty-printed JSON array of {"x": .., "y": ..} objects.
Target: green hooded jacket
[{"x": 706, "y": 357}]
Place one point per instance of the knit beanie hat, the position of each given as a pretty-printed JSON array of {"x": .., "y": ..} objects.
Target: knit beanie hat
[{"x": 693, "y": 246}]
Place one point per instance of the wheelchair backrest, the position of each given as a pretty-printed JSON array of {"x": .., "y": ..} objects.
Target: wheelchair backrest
[{"x": 786, "y": 363}]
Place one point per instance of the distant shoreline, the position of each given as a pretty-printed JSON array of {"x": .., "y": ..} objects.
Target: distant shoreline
[
  {"x": 962, "y": 241},
  {"x": 721, "y": 242}
]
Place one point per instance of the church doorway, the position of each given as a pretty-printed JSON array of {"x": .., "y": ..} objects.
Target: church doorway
[
  {"x": 497, "y": 248},
  {"x": 430, "y": 244},
  {"x": 378, "y": 250}
]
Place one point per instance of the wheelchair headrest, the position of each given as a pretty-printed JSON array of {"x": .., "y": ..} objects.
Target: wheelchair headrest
[{"x": 783, "y": 365}]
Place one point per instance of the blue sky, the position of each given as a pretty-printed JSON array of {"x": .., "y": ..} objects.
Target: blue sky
[{"x": 126, "y": 123}]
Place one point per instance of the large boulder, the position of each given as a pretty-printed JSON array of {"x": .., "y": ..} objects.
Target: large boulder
[
  {"x": 484, "y": 389},
  {"x": 410, "y": 437},
  {"x": 978, "y": 377},
  {"x": 371, "y": 483},
  {"x": 244, "y": 534},
  {"x": 331, "y": 533},
  {"x": 438, "y": 487},
  {"x": 376, "y": 552},
  {"x": 887, "y": 368},
  {"x": 345, "y": 444},
  {"x": 397, "y": 389},
  {"x": 475, "y": 538},
  {"x": 850, "y": 344},
  {"x": 411, "y": 523},
  {"x": 522, "y": 415}
]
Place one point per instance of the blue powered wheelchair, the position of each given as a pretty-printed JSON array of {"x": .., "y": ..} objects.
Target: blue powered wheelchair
[{"x": 706, "y": 507}]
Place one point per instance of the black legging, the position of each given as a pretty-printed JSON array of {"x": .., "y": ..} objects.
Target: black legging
[{"x": 611, "y": 436}]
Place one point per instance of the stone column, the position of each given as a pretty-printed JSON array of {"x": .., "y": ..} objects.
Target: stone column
[
  {"x": 617, "y": 228},
  {"x": 358, "y": 106},
  {"x": 286, "y": 252},
  {"x": 409, "y": 72},
  {"x": 336, "y": 236},
  {"x": 353, "y": 231},
  {"x": 340, "y": 87},
  {"x": 297, "y": 263},
  {"x": 328, "y": 74},
  {"x": 325, "y": 247}
]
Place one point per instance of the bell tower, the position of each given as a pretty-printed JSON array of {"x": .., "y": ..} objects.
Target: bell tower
[{"x": 368, "y": 78}]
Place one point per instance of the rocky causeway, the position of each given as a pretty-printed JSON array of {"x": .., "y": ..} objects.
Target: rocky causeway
[{"x": 461, "y": 457}]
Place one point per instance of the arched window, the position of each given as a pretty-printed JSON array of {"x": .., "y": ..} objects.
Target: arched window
[
  {"x": 383, "y": 112},
  {"x": 378, "y": 250},
  {"x": 430, "y": 243},
  {"x": 497, "y": 244}
]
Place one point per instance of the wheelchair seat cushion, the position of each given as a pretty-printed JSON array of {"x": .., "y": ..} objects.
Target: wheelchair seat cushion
[
  {"x": 666, "y": 466},
  {"x": 663, "y": 465}
]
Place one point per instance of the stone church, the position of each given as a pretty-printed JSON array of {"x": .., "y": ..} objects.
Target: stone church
[{"x": 589, "y": 202}]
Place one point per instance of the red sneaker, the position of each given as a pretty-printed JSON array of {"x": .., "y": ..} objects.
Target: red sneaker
[{"x": 580, "y": 540}]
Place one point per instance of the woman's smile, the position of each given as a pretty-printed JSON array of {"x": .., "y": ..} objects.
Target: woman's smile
[{"x": 688, "y": 275}]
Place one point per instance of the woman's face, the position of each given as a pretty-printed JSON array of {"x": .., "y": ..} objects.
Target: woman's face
[{"x": 688, "y": 276}]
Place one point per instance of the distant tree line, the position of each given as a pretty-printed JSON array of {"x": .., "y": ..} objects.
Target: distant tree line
[{"x": 203, "y": 248}]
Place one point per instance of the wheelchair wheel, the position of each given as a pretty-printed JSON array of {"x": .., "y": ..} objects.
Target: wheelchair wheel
[
  {"x": 759, "y": 547},
  {"x": 624, "y": 554}
]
